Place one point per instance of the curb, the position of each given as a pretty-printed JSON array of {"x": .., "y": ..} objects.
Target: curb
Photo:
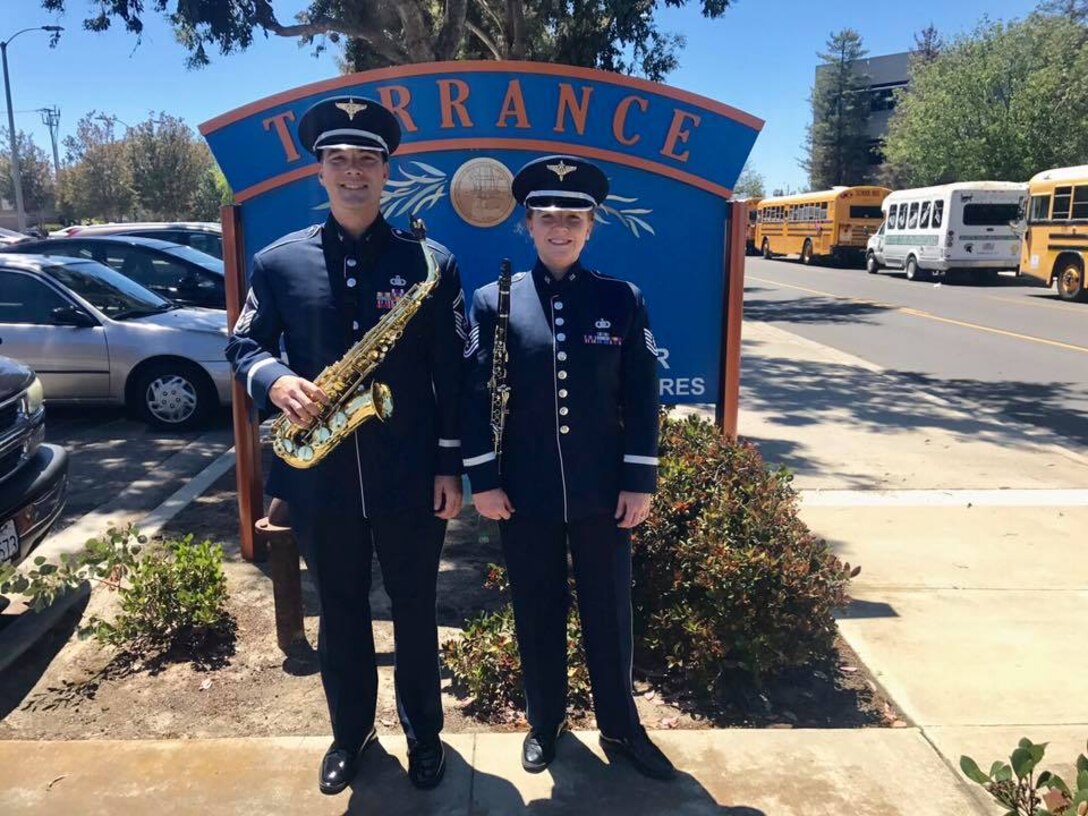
[{"x": 24, "y": 632}]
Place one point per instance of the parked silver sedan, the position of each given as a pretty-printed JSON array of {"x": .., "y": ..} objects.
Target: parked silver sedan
[{"x": 94, "y": 336}]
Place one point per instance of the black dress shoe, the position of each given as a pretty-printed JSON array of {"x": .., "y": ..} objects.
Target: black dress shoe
[
  {"x": 339, "y": 765},
  {"x": 426, "y": 762},
  {"x": 538, "y": 750},
  {"x": 643, "y": 754}
]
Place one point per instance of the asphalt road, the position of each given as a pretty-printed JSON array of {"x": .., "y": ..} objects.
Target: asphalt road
[{"x": 1008, "y": 346}]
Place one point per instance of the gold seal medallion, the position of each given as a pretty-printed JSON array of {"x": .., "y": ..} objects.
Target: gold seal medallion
[{"x": 480, "y": 192}]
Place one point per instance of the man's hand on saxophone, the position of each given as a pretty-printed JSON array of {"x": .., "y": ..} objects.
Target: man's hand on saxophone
[{"x": 299, "y": 399}]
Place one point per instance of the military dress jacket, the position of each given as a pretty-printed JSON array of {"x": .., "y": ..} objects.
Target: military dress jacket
[
  {"x": 583, "y": 411},
  {"x": 321, "y": 291}
]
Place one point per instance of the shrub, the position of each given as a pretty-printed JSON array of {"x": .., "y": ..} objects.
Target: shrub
[
  {"x": 1015, "y": 786},
  {"x": 176, "y": 598},
  {"x": 726, "y": 575},
  {"x": 173, "y": 596},
  {"x": 485, "y": 663},
  {"x": 727, "y": 579}
]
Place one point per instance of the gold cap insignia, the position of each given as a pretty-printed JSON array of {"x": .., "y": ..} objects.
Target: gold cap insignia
[
  {"x": 561, "y": 169},
  {"x": 351, "y": 107}
]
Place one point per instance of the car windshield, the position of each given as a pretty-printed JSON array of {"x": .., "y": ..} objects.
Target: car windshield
[
  {"x": 196, "y": 256},
  {"x": 108, "y": 291}
]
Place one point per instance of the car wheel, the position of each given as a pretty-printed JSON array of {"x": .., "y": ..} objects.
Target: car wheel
[
  {"x": 766, "y": 249},
  {"x": 913, "y": 272},
  {"x": 174, "y": 395},
  {"x": 1071, "y": 280},
  {"x": 806, "y": 253},
  {"x": 871, "y": 266}
]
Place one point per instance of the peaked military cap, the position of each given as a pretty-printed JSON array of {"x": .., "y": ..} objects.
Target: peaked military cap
[
  {"x": 560, "y": 183},
  {"x": 349, "y": 121}
]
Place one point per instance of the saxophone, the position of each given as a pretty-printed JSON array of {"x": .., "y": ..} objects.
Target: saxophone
[
  {"x": 500, "y": 390},
  {"x": 352, "y": 401}
]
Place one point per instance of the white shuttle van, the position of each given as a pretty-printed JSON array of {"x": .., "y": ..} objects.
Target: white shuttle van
[{"x": 967, "y": 226}]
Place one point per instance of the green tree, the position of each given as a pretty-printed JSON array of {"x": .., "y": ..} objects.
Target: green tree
[
  {"x": 615, "y": 35},
  {"x": 750, "y": 184},
  {"x": 168, "y": 164},
  {"x": 1003, "y": 102},
  {"x": 35, "y": 172},
  {"x": 97, "y": 183},
  {"x": 211, "y": 194},
  {"x": 837, "y": 145},
  {"x": 927, "y": 43},
  {"x": 1075, "y": 10}
]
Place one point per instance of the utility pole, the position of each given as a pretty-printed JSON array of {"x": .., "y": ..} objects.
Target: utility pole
[{"x": 51, "y": 119}]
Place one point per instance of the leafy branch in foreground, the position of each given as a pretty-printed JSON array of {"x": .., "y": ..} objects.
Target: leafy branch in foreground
[{"x": 1015, "y": 786}]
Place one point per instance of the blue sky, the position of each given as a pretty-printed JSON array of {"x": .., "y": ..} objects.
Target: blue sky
[{"x": 759, "y": 57}]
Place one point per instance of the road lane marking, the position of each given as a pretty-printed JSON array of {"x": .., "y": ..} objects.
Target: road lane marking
[
  {"x": 1068, "y": 308},
  {"x": 929, "y": 316}
]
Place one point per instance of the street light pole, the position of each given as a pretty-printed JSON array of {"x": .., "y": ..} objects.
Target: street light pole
[{"x": 20, "y": 213}]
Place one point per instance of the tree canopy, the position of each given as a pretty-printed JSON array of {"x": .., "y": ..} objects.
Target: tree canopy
[
  {"x": 614, "y": 35},
  {"x": 750, "y": 184},
  {"x": 1003, "y": 102},
  {"x": 35, "y": 173},
  {"x": 838, "y": 146}
]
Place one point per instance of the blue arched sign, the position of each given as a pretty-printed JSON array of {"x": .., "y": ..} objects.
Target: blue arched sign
[{"x": 672, "y": 158}]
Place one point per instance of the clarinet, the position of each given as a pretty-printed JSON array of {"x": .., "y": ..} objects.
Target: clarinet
[{"x": 500, "y": 391}]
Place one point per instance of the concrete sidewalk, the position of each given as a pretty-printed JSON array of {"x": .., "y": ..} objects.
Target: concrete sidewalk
[
  {"x": 969, "y": 530},
  {"x": 737, "y": 773}
]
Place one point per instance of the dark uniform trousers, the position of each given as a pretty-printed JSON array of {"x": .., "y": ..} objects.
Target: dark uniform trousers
[
  {"x": 582, "y": 427},
  {"x": 536, "y": 560},
  {"x": 338, "y": 548}
]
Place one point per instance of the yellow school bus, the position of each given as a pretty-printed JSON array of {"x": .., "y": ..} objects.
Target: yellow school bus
[
  {"x": 750, "y": 231},
  {"x": 833, "y": 224},
  {"x": 1055, "y": 245}
]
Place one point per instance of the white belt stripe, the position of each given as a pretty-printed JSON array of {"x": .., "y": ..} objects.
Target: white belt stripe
[
  {"x": 641, "y": 460},
  {"x": 449, "y": 443},
  {"x": 253, "y": 369},
  {"x": 479, "y": 460}
]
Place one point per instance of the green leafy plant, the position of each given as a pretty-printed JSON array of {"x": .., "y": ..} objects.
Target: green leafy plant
[
  {"x": 106, "y": 560},
  {"x": 485, "y": 663},
  {"x": 1014, "y": 784},
  {"x": 727, "y": 580},
  {"x": 727, "y": 577},
  {"x": 176, "y": 597},
  {"x": 172, "y": 594}
]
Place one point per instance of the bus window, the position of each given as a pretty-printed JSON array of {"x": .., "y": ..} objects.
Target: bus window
[
  {"x": 990, "y": 215},
  {"x": 912, "y": 218},
  {"x": 823, "y": 211},
  {"x": 938, "y": 214},
  {"x": 891, "y": 215},
  {"x": 901, "y": 221},
  {"x": 1080, "y": 202},
  {"x": 1062, "y": 199},
  {"x": 866, "y": 212},
  {"x": 1040, "y": 208},
  {"x": 923, "y": 217}
]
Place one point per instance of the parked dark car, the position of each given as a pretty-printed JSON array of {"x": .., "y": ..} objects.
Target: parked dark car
[
  {"x": 178, "y": 273},
  {"x": 33, "y": 475},
  {"x": 207, "y": 236}
]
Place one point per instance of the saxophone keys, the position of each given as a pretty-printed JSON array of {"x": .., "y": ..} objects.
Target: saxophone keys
[
  {"x": 358, "y": 403},
  {"x": 306, "y": 453},
  {"x": 287, "y": 446},
  {"x": 338, "y": 420},
  {"x": 322, "y": 434}
]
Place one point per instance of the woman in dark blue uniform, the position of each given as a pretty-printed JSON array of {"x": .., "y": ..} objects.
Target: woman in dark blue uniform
[{"x": 577, "y": 462}]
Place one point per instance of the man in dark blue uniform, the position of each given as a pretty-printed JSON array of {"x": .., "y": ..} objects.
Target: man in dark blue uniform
[
  {"x": 392, "y": 486},
  {"x": 578, "y": 457}
]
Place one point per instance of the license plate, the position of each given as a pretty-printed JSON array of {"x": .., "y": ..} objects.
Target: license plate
[
  {"x": 988, "y": 246},
  {"x": 9, "y": 542}
]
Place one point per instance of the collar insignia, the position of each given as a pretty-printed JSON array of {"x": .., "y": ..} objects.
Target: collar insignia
[
  {"x": 603, "y": 324},
  {"x": 398, "y": 281}
]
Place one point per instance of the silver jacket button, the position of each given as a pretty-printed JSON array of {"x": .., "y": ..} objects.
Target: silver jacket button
[
  {"x": 564, "y": 411},
  {"x": 562, "y": 393},
  {"x": 562, "y": 375},
  {"x": 560, "y": 337},
  {"x": 351, "y": 282},
  {"x": 563, "y": 429},
  {"x": 562, "y": 355}
]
